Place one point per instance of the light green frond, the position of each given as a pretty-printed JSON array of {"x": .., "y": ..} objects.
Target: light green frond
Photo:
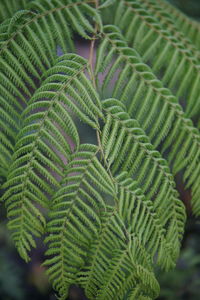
[
  {"x": 83, "y": 227},
  {"x": 46, "y": 141},
  {"x": 153, "y": 106},
  {"x": 76, "y": 216},
  {"x": 128, "y": 149},
  {"x": 168, "y": 22},
  {"x": 28, "y": 45},
  {"x": 175, "y": 65},
  {"x": 115, "y": 265}
]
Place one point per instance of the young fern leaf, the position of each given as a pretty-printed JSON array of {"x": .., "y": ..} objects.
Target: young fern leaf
[
  {"x": 178, "y": 68},
  {"x": 127, "y": 148},
  {"x": 188, "y": 26},
  {"x": 45, "y": 143},
  {"x": 76, "y": 216},
  {"x": 144, "y": 96},
  {"x": 28, "y": 45}
]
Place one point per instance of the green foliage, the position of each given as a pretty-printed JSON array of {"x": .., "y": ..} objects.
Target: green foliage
[
  {"x": 9, "y": 7},
  {"x": 109, "y": 211}
]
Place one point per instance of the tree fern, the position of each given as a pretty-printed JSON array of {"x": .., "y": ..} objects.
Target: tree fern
[
  {"x": 137, "y": 81},
  {"x": 109, "y": 209}
]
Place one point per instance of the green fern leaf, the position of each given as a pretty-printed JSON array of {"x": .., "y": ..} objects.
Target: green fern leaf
[
  {"x": 114, "y": 266},
  {"x": 178, "y": 68},
  {"x": 127, "y": 148},
  {"x": 144, "y": 96},
  {"x": 9, "y": 7},
  {"x": 113, "y": 210},
  {"x": 76, "y": 216},
  {"x": 47, "y": 126},
  {"x": 29, "y": 42}
]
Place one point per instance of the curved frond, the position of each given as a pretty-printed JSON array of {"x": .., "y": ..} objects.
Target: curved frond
[
  {"x": 28, "y": 45},
  {"x": 88, "y": 213},
  {"x": 115, "y": 266},
  {"x": 136, "y": 86},
  {"x": 112, "y": 207},
  {"x": 128, "y": 149},
  {"x": 45, "y": 143},
  {"x": 76, "y": 216},
  {"x": 178, "y": 68}
]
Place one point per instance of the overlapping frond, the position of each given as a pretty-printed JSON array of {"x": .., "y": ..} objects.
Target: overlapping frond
[
  {"x": 188, "y": 26},
  {"x": 127, "y": 148},
  {"x": 66, "y": 245},
  {"x": 113, "y": 207},
  {"x": 76, "y": 216},
  {"x": 116, "y": 266},
  {"x": 137, "y": 87},
  {"x": 45, "y": 143},
  {"x": 91, "y": 239},
  {"x": 178, "y": 68},
  {"x": 28, "y": 45}
]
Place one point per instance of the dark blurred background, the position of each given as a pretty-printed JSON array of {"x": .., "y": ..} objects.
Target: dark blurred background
[
  {"x": 190, "y": 7},
  {"x": 21, "y": 281}
]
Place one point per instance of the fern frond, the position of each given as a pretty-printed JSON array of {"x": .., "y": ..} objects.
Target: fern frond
[
  {"x": 127, "y": 148},
  {"x": 37, "y": 167},
  {"x": 178, "y": 68},
  {"x": 144, "y": 96},
  {"x": 123, "y": 264},
  {"x": 115, "y": 266},
  {"x": 189, "y": 26},
  {"x": 113, "y": 210},
  {"x": 29, "y": 42},
  {"x": 83, "y": 229},
  {"x": 76, "y": 216}
]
